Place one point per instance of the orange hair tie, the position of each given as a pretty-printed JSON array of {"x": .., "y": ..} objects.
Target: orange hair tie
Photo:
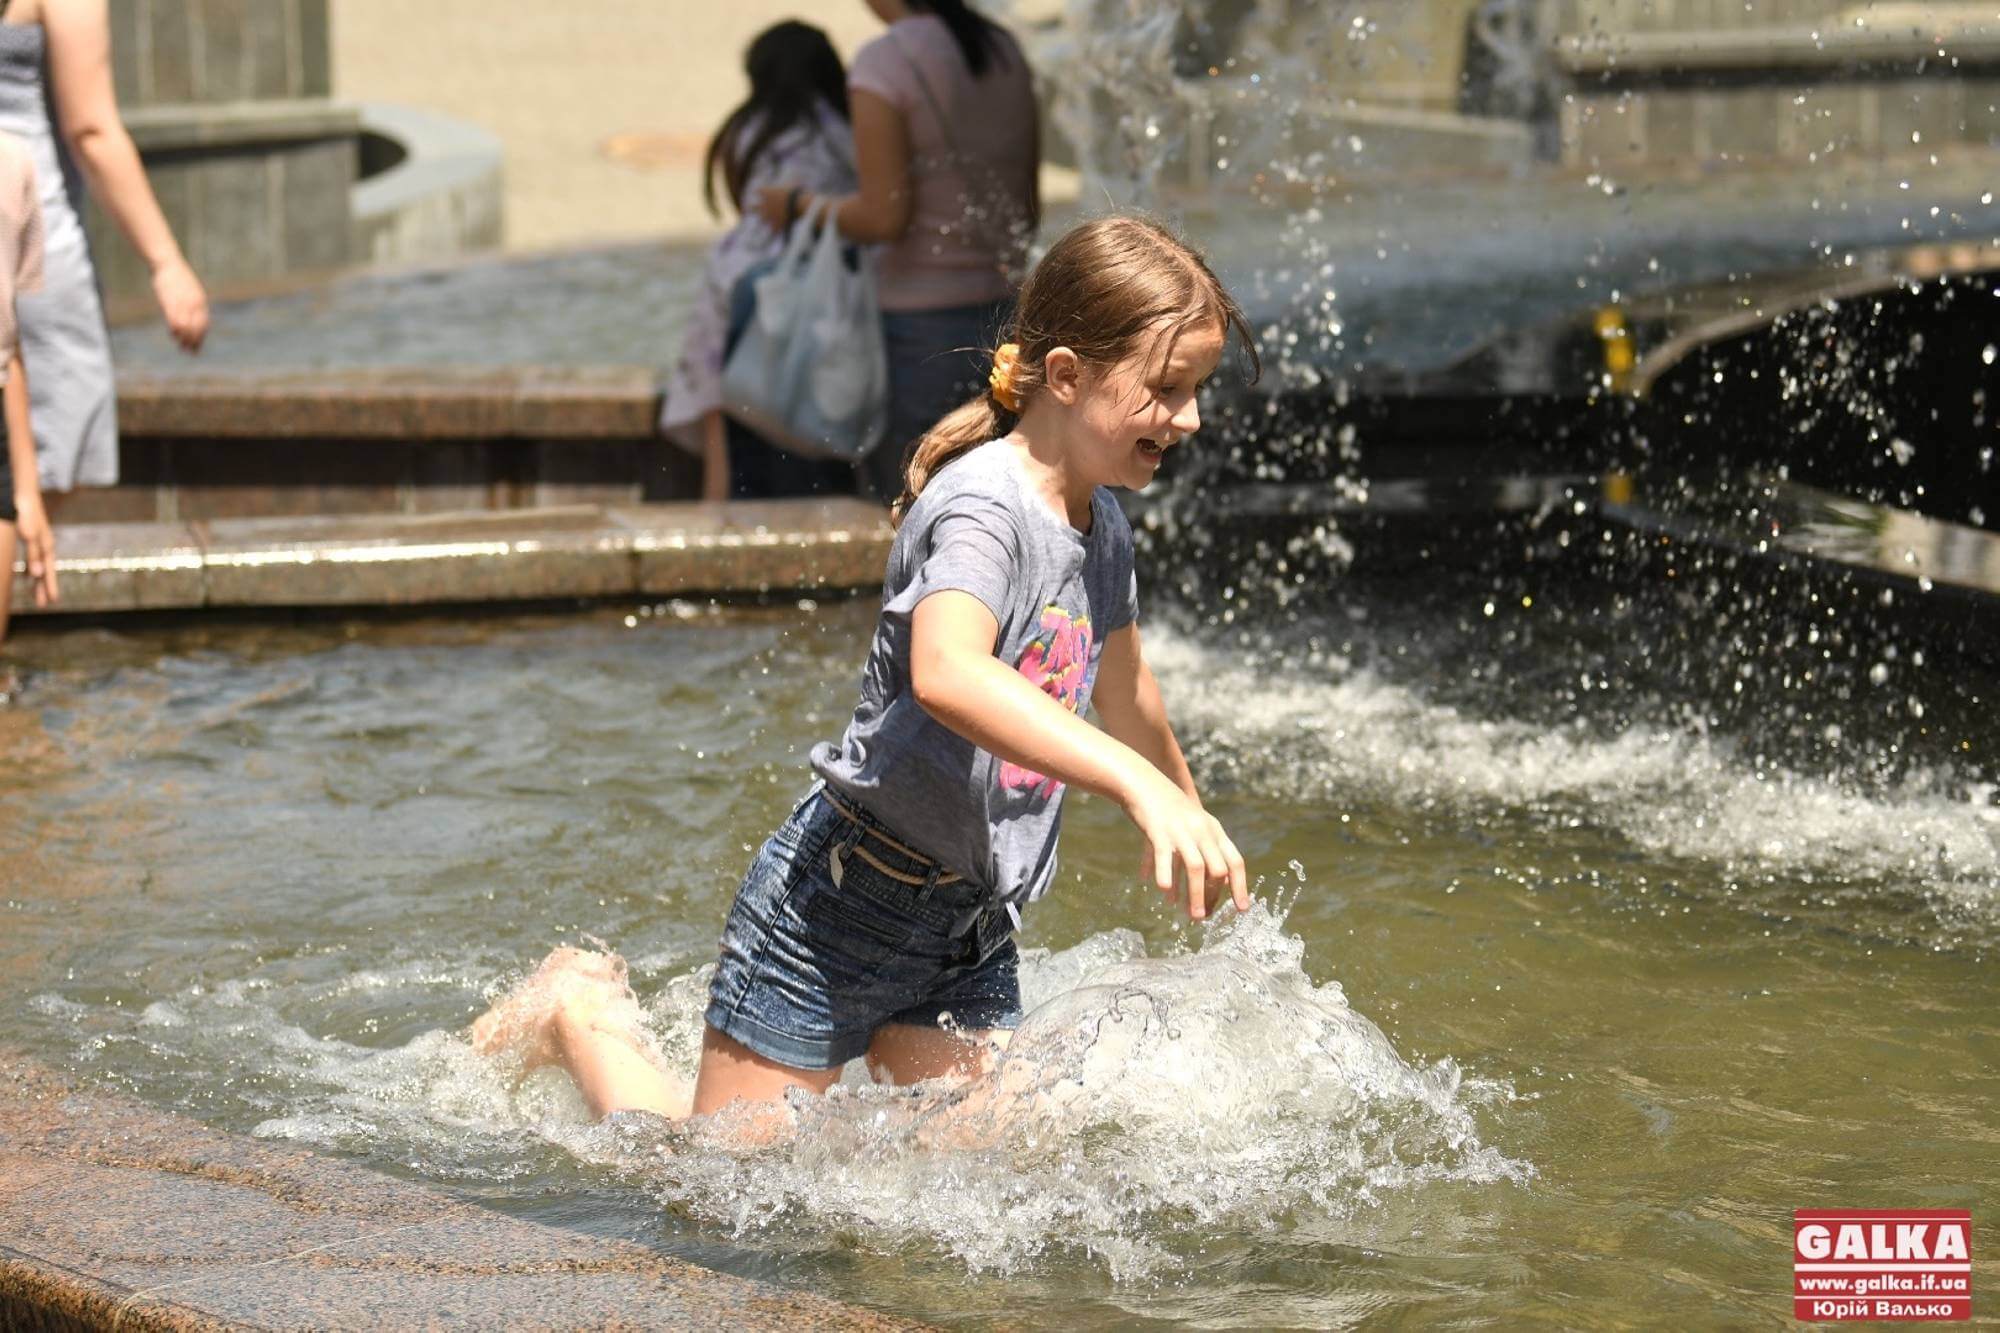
[{"x": 1000, "y": 383}]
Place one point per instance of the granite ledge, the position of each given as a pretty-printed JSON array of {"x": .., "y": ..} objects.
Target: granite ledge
[
  {"x": 506, "y": 555},
  {"x": 191, "y": 1228},
  {"x": 409, "y": 405}
]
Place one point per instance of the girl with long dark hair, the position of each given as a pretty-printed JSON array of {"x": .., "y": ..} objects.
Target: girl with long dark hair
[{"x": 791, "y": 132}]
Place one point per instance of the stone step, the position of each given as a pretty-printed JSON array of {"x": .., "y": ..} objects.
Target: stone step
[
  {"x": 115, "y": 1215},
  {"x": 392, "y": 559}
]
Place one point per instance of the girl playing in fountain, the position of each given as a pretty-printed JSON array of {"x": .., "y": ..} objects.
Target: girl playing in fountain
[
  {"x": 790, "y": 133},
  {"x": 878, "y": 921}
]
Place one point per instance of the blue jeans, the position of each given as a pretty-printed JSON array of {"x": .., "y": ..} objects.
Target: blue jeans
[
  {"x": 937, "y": 360},
  {"x": 825, "y": 944}
]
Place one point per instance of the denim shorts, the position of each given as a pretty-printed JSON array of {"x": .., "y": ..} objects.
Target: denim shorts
[{"x": 823, "y": 948}]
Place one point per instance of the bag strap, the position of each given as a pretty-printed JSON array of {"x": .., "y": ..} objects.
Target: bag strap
[
  {"x": 799, "y": 238},
  {"x": 937, "y": 107},
  {"x": 818, "y": 223},
  {"x": 976, "y": 224}
]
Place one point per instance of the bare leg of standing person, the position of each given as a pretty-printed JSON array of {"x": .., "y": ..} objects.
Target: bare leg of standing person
[
  {"x": 20, "y": 462},
  {"x": 714, "y": 456},
  {"x": 8, "y": 546}
]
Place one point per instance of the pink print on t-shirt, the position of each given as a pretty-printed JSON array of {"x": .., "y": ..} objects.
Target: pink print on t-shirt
[{"x": 1057, "y": 660}]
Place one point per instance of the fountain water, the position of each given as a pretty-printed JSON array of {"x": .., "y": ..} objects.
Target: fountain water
[{"x": 1575, "y": 842}]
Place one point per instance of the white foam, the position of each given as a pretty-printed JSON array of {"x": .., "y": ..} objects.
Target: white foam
[
  {"x": 1144, "y": 1102},
  {"x": 1339, "y": 732}
]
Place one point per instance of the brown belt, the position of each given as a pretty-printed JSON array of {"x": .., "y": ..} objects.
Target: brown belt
[{"x": 944, "y": 877}]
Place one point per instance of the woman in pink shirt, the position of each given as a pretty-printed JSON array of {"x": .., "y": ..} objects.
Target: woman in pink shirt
[{"x": 947, "y": 141}]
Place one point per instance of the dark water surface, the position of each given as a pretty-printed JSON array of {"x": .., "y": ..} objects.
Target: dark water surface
[{"x": 1655, "y": 965}]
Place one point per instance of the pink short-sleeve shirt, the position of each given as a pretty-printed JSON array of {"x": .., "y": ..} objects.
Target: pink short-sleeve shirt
[
  {"x": 972, "y": 172},
  {"x": 20, "y": 240}
]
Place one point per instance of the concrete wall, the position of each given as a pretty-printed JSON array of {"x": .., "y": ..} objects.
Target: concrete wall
[
  {"x": 1740, "y": 127},
  {"x": 196, "y": 447},
  {"x": 438, "y": 193},
  {"x": 1616, "y": 16},
  {"x": 228, "y": 101},
  {"x": 172, "y": 52},
  {"x": 1710, "y": 84}
]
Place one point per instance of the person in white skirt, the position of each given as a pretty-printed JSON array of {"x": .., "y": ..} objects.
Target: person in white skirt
[{"x": 56, "y": 97}]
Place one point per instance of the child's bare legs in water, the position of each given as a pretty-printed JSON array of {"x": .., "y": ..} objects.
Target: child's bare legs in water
[
  {"x": 577, "y": 1011},
  {"x": 899, "y": 1053}
]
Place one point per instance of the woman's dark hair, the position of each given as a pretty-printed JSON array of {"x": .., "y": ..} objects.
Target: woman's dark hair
[
  {"x": 978, "y": 37},
  {"x": 792, "y": 68}
]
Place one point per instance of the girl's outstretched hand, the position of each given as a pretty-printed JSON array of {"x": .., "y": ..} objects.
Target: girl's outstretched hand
[{"x": 1181, "y": 835}]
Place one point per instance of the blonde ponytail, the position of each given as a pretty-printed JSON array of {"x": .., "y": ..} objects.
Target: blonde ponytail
[
  {"x": 1105, "y": 290},
  {"x": 965, "y": 427}
]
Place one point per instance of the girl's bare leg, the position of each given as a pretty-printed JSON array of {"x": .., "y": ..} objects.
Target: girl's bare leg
[
  {"x": 732, "y": 1072},
  {"x": 578, "y": 1012},
  {"x": 714, "y": 457},
  {"x": 904, "y": 1053},
  {"x": 613, "y": 1071}
]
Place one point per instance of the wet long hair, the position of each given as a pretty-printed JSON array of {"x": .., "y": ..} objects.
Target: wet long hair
[
  {"x": 978, "y": 37},
  {"x": 1108, "y": 290},
  {"x": 793, "y": 68}
]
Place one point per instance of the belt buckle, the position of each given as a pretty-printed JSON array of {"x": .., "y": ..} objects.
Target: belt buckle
[{"x": 836, "y": 861}]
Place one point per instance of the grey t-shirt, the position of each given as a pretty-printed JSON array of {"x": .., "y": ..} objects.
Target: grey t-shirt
[{"x": 1056, "y": 593}]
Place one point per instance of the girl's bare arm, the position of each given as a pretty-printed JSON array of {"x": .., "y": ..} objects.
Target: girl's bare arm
[
  {"x": 880, "y": 210},
  {"x": 1127, "y": 699},
  {"x": 958, "y": 681}
]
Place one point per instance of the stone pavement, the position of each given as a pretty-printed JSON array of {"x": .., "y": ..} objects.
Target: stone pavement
[
  {"x": 502, "y": 555},
  {"x": 114, "y": 1215},
  {"x": 622, "y": 161}
]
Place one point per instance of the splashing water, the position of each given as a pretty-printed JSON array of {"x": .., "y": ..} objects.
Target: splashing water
[
  {"x": 1144, "y": 1104},
  {"x": 1330, "y": 730}
]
